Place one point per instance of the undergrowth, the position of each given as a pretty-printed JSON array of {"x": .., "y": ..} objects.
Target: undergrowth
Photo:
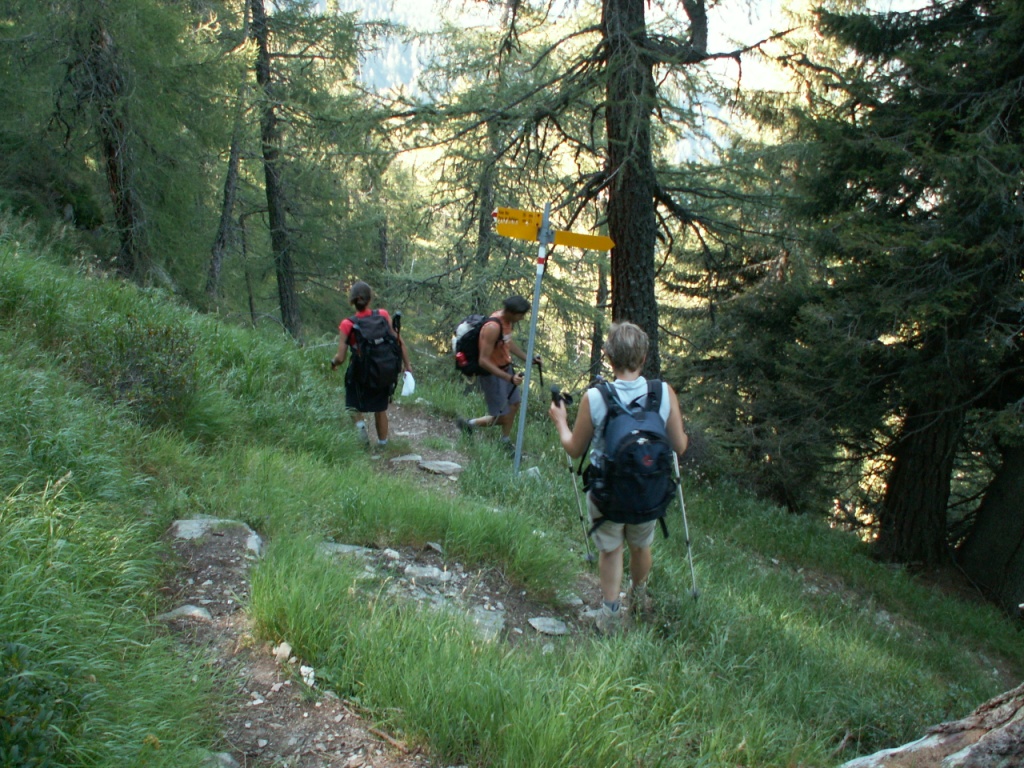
[{"x": 120, "y": 411}]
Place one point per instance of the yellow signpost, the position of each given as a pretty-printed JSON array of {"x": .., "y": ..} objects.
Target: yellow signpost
[
  {"x": 527, "y": 225},
  {"x": 536, "y": 227}
]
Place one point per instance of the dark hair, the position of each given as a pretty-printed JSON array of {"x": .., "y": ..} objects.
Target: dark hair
[
  {"x": 359, "y": 295},
  {"x": 517, "y": 305}
]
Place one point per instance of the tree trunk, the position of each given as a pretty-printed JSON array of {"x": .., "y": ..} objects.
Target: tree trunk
[
  {"x": 248, "y": 275},
  {"x": 485, "y": 236},
  {"x": 270, "y": 139},
  {"x": 106, "y": 83},
  {"x": 597, "y": 335},
  {"x": 227, "y": 213},
  {"x": 631, "y": 208},
  {"x": 383, "y": 242},
  {"x": 220, "y": 242},
  {"x": 913, "y": 516},
  {"x": 992, "y": 555}
]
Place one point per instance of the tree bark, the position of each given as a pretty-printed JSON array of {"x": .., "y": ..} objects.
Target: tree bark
[
  {"x": 992, "y": 555},
  {"x": 383, "y": 242},
  {"x": 270, "y": 140},
  {"x": 597, "y": 335},
  {"x": 227, "y": 213},
  {"x": 913, "y": 516},
  {"x": 221, "y": 241},
  {"x": 106, "y": 84},
  {"x": 632, "y": 223},
  {"x": 485, "y": 236}
]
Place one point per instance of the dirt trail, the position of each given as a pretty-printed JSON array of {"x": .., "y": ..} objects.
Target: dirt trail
[{"x": 272, "y": 719}]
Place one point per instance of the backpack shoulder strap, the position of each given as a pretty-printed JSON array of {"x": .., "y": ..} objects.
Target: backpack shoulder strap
[
  {"x": 480, "y": 330},
  {"x": 654, "y": 389},
  {"x": 611, "y": 400}
]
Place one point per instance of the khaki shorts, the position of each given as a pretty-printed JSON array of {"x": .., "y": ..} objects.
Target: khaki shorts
[{"x": 609, "y": 536}]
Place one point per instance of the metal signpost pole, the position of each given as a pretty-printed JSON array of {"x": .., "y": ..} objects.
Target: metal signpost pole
[{"x": 545, "y": 237}]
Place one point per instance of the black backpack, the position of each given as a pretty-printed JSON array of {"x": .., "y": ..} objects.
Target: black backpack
[
  {"x": 376, "y": 355},
  {"x": 634, "y": 483},
  {"x": 467, "y": 345}
]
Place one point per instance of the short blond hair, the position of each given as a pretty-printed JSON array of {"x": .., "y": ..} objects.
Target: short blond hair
[{"x": 626, "y": 346}]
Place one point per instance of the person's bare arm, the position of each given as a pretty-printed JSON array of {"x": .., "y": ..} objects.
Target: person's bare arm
[
  {"x": 339, "y": 356},
  {"x": 516, "y": 350},
  {"x": 576, "y": 440},
  {"x": 676, "y": 431}
]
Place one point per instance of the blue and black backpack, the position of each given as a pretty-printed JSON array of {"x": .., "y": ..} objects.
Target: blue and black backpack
[{"x": 634, "y": 482}]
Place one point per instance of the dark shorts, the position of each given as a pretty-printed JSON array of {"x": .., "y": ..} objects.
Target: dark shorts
[
  {"x": 499, "y": 393},
  {"x": 356, "y": 399}
]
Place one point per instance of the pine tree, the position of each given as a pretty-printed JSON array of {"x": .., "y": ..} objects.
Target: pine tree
[{"x": 890, "y": 353}]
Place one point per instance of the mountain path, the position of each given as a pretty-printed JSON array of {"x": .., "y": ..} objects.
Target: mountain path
[{"x": 274, "y": 719}]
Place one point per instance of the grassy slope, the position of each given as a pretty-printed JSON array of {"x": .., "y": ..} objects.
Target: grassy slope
[{"x": 121, "y": 412}]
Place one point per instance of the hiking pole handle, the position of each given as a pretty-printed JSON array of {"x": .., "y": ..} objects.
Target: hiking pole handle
[
  {"x": 396, "y": 321},
  {"x": 557, "y": 396}
]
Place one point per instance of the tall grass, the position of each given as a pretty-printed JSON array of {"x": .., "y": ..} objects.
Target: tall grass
[
  {"x": 87, "y": 679},
  {"x": 749, "y": 676},
  {"x": 797, "y": 644}
]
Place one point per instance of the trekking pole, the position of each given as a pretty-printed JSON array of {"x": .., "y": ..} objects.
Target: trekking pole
[
  {"x": 686, "y": 527},
  {"x": 557, "y": 396},
  {"x": 590, "y": 556}
]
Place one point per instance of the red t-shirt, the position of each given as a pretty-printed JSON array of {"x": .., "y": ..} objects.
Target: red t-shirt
[{"x": 345, "y": 327}]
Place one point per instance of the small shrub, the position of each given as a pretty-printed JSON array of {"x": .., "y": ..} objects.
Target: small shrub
[
  {"x": 151, "y": 368},
  {"x": 35, "y": 709}
]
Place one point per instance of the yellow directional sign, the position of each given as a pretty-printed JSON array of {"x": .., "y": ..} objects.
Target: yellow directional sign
[
  {"x": 525, "y": 225},
  {"x": 590, "y": 242}
]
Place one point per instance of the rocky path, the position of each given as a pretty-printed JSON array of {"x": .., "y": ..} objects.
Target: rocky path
[{"x": 278, "y": 714}]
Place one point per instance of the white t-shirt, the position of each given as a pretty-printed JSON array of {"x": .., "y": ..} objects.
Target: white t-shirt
[{"x": 627, "y": 392}]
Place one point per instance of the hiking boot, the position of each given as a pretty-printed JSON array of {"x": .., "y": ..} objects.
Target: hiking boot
[
  {"x": 609, "y": 622},
  {"x": 464, "y": 425},
  {"x": 508, "y": 447},
  {"x": 639, "y": 602}
]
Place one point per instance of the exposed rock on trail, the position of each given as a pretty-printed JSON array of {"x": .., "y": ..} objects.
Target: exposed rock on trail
[
  {"x": 272, "y": 721},
  {"x": 275, "y": 718}
]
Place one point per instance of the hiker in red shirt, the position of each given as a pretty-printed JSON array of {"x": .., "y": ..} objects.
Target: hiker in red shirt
[{"x": 376, "y": 365}]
